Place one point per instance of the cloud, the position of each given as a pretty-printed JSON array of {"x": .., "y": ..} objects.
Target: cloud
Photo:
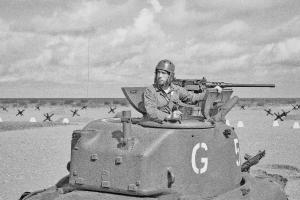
[
  {"x": 202, "y": 12},
  {"x": 122, "y": 53},
  {"x": 284, "y": 52},
  {"x": 291, "y": 27},
  {"x": 4, "y": 27},
  {"x": 144, "y": 26},
  {"x": 233, "y": 30},
  {"x": 213, "y": 49},
  {"x": 72, "y": 21},
  {"x": 81, "y": 17},
  {"x": 156, "y": 5},
  {"x": 287, "y": 29},
  {"x": 182, "y": 14},
  {"x": 63, "y": 57},
  {"x": 18, "y": 46},
  {"x": 42, "y": 58},
  {"x": 121, "y": 42},
  {"x": 233, "y": 6}
]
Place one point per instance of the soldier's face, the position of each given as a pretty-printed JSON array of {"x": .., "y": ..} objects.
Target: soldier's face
[{"x": 161, "y": 77}]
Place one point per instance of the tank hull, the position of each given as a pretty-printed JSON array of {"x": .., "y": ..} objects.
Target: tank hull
[
  {"x": 252, "y": 188},
  {"x": 199, "y": 163}
]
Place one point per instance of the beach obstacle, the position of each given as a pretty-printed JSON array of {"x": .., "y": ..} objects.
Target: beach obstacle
[
  {"x": 275, "y": 123},
  {"x": 66, "y": 121},
  {"x": 240, "y": 124},
  {"x": 1, "y": 119},
  {"x": 227, "y": 122},
  {"x": 32, "y": 119},
  {"x": 296, "y": 125}
]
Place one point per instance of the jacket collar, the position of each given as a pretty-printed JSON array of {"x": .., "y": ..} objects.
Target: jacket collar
[{"x": 157, "y": 89}]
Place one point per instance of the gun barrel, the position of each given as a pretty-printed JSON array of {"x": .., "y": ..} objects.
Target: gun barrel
[
  {"x": 252, "y": 85},
  {"x": 195, "y": 84},
  {"x": 224, "y": 85}
]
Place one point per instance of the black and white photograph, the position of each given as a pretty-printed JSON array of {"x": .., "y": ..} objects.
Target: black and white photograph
[{"x": 149, "y": 99}]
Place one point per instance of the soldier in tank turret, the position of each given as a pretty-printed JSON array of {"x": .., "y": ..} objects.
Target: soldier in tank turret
[{"x": 161, "y": 99}]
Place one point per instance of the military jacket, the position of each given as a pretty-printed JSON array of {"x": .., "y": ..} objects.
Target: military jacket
[{"x": 159, "y": 104}]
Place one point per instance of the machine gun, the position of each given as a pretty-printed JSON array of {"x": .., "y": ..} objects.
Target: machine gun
[
  {"x": 252, "y": 160},
  {"x": 214, "y": 102},
  {"x": 200, "y": 85}
]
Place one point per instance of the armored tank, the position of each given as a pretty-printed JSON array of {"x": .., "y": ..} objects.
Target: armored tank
[{"x": 131, "y": 158}]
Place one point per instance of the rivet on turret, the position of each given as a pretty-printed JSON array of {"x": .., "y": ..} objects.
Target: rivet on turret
[
  {"x": 76, "y": 148},
  {"x": 75, "y": 173},
  {"x": 245, "y": 191},
  {"x": 105, "y": 184},
  {"x": 118, "y": 160},
  {"x": 79, "y": 180},
  {"x": 94, "y": 157},
  {"x": 138, "y": 183},
  {"x": 132, "y": 187}
]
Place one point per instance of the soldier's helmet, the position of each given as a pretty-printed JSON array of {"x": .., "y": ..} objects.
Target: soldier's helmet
[
  {"x": 168, "y": 66},
  {"x": 165, "y": 65}
]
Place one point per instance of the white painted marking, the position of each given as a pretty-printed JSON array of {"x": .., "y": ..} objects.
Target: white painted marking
[
  {"x": 65, "y": 121},
  {"x": 227, "y": 122},
  {"x": 194, "y": 166},
  {"x": 203, "y": 160},
  {"x": 240, "y": 124},
  {"x": 32, "y": 119},
  {"x": 275, "y": 123},
  {"x": 237, "y": 151},
  {"x": 296, "y": 125}
]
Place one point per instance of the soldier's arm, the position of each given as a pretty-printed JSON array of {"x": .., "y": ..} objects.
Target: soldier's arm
[
  {"x": 151, "y": 107},
  {"x": 188, "y": 96}
]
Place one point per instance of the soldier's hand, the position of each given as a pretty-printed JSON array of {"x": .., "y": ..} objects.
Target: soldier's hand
[
  {"x": 175, "y": 116},
  {"x": 219, "y": 89}
]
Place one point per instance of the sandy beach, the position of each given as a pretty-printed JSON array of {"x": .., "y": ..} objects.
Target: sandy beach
[{"x": 36, "y": 158}]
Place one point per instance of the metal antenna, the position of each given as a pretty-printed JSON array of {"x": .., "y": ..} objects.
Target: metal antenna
[{"x": 87, "y": 89}]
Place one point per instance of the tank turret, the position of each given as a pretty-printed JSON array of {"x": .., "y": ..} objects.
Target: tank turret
[{"x": 134, "y": 158}]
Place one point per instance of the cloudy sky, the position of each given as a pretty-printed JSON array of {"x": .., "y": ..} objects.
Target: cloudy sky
[{"x": 91, "y": 48}]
